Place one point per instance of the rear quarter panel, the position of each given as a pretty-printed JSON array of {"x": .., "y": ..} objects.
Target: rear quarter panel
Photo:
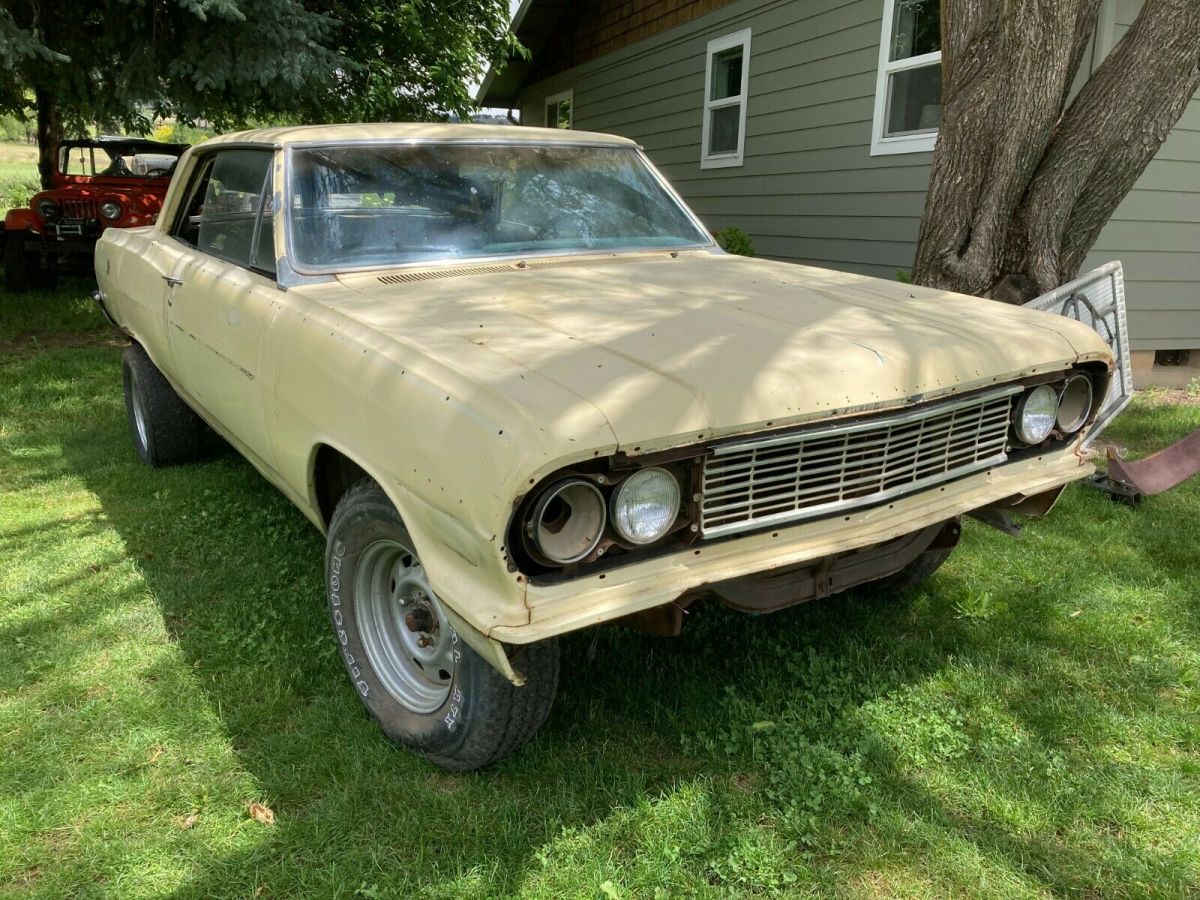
[{"x": 129, "y": 273}]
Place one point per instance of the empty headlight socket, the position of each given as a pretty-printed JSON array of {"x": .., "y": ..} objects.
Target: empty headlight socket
[{"x": 685, "y": 463}]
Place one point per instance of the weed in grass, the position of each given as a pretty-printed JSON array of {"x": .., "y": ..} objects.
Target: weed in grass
[
  {"x": 975, "y": 605},
  {"x": 165, "y": 659}
]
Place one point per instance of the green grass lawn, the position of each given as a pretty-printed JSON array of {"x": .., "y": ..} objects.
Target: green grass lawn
[{"x": 1025, "y": 725}]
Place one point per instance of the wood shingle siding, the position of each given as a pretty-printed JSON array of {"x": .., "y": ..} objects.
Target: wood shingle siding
[
  {"x": 601, "y": 27},
  {"x": 809, "y": 190}
]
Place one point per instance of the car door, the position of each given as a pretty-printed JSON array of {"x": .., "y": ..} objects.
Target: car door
[{"x": 221, "y": 293}]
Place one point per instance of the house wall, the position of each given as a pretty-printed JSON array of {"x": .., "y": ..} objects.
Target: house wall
[
  {"x": 1155, "y": 232},
  {"x": 810, "y": 191}
]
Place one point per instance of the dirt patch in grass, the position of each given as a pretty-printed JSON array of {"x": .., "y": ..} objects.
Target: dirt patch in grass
[
  {"x": 26, "y": 345},
  {"x": 1171, "y": 396}
]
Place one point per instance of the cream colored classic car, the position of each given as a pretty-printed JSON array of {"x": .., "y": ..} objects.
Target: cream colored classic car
[{"x": 511, "y": 377}]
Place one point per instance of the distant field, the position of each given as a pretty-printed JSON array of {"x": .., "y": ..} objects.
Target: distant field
[{"x": 18, "y": 174}]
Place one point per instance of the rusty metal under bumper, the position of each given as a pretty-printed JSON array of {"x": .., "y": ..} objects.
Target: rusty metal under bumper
[{"x": 780, "y": 588}]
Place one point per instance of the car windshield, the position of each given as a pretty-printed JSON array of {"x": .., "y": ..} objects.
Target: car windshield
[
  {"x": 370, "y": 206},
  {"x": 115, "y": 161}
]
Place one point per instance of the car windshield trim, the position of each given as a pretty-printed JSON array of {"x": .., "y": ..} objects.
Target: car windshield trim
[{"x": 301, "y": 268}]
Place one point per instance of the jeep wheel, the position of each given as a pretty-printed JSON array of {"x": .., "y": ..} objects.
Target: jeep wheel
[
  {"x": 425, "y": 686},
  {"x": 165, "y": 431},
  {"x": 21, "y": 267}
]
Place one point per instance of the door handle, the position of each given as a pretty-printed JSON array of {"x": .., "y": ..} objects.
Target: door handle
[{"x": 172, "y": 281}]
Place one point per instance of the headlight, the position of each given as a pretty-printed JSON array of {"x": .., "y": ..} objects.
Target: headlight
[
  {"x": 111, "y": 210},
  {"x": 47, "y": 209},
  {"x": 1036, "y": 412},
  {"x": 567, "y": 521},
  {"x": 645, "y": 505},
  {"x": 1075, "y": 404}
]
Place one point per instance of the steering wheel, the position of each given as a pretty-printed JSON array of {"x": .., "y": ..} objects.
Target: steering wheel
[{"x": 157, "y": 173}]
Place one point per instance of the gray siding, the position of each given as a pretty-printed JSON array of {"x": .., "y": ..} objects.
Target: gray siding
[{"x": 810, "y": 191}]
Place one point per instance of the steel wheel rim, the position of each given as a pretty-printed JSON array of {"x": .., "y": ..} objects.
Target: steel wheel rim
[
  {"x": 405, "y": 635},
  {"x": 139, "y": 417}
]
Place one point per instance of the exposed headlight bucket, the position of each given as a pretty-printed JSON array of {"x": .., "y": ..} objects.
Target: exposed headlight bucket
[
  {"x": 567, "y": 521},
  {"x": 47, "y": 209},
  {"x": 1036, "y": 412},
  {"x": 645, "y": 505},
  {"x": 111, "y": 210},
  {"x": 1075, "y": 404}
]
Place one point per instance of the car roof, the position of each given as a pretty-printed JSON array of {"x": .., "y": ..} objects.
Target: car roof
[{"x": 415, "y": 131}]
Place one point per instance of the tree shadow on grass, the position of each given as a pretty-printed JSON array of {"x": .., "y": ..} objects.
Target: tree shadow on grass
[{"x": 897, "y": 743}]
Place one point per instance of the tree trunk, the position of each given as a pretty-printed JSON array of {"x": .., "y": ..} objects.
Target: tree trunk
[
  {"x": 1020, "y": 188},
  {"x": 49, "y": 134}
]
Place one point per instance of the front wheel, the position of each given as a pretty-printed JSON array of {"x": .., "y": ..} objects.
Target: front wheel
[
  {"x": 911, "y": 575},
  {"x": 425, "y": 686}
]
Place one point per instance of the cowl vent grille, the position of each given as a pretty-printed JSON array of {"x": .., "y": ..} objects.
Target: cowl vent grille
[{"x": 521, "y": 266}]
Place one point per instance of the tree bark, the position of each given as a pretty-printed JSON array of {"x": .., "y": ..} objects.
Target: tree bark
[
  {"x": 1105, "y": 141},
  {"x": 49, "y": 134},
  {"x": 1024, "y": 179}
]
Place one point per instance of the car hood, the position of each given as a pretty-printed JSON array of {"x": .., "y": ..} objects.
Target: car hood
[{"x": 676, "y": 348}]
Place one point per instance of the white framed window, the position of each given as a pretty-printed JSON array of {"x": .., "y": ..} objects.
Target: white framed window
[
  {"x": 908, "y": 92},
  {"x": 726, "y": 83},
  {"x": 560, "y": 109}
]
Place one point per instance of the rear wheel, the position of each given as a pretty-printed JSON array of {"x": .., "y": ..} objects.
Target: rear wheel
[
  {"x": 425, "y": 686},
  {"x": 164, "y": 429}
]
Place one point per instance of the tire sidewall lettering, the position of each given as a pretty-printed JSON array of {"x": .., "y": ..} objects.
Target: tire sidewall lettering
[{"x": 336, "y": 613}]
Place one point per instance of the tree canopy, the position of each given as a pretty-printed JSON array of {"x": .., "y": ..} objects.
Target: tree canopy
[{"x": 118, "y": 63}]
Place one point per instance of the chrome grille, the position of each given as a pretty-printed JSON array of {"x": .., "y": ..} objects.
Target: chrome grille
[
  {"x": 785, "y": 478},
  {"x": 80, "y": 209}
]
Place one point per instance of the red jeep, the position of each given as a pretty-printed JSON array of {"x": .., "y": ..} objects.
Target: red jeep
[{"x": 98, "y": 183}]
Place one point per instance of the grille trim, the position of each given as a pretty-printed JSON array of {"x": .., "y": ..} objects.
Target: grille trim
[
  {"x": 785, "y": 478},
  {"x": 76, "y": 208}
]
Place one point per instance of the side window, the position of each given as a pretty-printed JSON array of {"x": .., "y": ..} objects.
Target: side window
[
  {"x": 726, "y": 88},
  {"x": 559, "y": 113},
  {"x": 187, "y": 222},
  {"x": 908, "y": 90},
  {"x": 223, "y": 214}
]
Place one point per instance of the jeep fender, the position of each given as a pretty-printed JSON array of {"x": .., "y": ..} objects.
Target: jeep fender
[{"x": 20, "y": 220}]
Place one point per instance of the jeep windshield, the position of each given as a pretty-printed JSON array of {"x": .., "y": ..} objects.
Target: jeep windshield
[
  {"x": 109, "y": 160},
  {"x": 370, "y": 206}
]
